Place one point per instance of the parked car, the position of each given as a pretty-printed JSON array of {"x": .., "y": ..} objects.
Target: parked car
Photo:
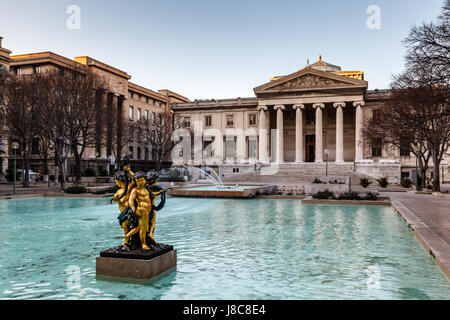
[{"x": 33, "y": 175}]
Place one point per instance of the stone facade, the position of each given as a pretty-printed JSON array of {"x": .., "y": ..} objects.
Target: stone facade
[
  {"x": 312, "y": 116},
  {"x": 5, "y": 61},
  {"x": 131, "y": 100}
]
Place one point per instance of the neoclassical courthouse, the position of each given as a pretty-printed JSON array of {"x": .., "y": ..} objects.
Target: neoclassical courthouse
[{"x": 308, "y": 123}]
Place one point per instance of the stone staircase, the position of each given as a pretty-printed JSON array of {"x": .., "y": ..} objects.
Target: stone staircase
[{"x": 297, "y": 174}]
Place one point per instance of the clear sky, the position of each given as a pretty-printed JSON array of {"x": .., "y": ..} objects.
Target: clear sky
[{"x": 218, "y": 49}]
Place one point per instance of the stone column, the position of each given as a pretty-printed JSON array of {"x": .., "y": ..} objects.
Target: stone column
[
  {"x": 280, "y": 132},
  {"x": 299, "y": 132},
  {"x": 339, "y": 131},
  {"x": 262, "y": 134},
  {"x": 319, "y": 131},
  {"x": 358, "y": 130}
]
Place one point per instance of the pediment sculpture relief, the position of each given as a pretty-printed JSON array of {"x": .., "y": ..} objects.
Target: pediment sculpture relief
[{"x": 309, "y": 81}]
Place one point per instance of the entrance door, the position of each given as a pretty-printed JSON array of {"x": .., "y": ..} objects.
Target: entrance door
[{"x": 310, "y": 148}]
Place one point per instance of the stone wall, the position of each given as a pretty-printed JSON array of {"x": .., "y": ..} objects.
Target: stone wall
[{"x": 378, "y": 170}]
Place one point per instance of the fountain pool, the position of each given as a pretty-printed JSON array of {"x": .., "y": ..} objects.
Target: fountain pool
[{"x": 227, "y": 249}]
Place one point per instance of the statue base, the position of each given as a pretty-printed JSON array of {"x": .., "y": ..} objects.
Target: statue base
[{"x": 136, "y": 266}]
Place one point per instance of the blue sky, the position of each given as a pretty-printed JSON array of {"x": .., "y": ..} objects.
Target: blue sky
[{"x": 218, "y": 49}]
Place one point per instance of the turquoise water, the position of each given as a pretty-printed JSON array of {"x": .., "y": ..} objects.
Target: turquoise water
[{"x": 227, "y": 249}]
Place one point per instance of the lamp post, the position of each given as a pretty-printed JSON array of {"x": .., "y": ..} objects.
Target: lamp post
[
  {"x": 326, "y": 161},
  {"x": 15, "y": 147},
  {"x": 416, "y": 151}
]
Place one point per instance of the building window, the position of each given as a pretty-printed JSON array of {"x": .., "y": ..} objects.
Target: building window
[
  {"x": 35, "y": 150},
  {"x": 187, "y": 122},
  {"x": 19, "y": 71},
  {"x": 252, "y": 147},
  {"x": 376, "y": 115},
  {"x": 37, "y": 69},
  {"x": 139, "y": 153},
  {"x": 146, "y": 100},
  {"x": 146, "y": 115},
  {"x": 310, "y": 117},
  {"x": 131, "y": 134},
  {"x": 146, "y": 154},
  {"x": 131, "y": 111},
  {"x": 131, "y": 152},
  {"x": 377, "y": 145},
  {"x": 230, "y": 120},
  {"x": 139, "y": 134},
  {"x": 229, "y": 147},
  {"x": 405, "y": 151},
  {"x": 139, "y": 113},
  {"x": 207, "y": 121},
  {"x": 252, "y": 119},
  {"x": 153, "y": 117}
]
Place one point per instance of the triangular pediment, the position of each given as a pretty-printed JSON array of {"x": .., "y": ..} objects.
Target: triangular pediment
[{"x": 309, "y": 79}]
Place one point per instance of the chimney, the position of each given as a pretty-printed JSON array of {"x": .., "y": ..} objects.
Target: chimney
[{"x": 1, "y": 38}]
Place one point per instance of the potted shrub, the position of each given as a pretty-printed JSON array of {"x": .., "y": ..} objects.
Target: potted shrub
[
  {"x": 75, "y": 189},
  {"x": 383, "y": 182},
  {"x": 324, "y": 195},
  {"x": 406, "y": 183},
  {"x": 89, "y": 172},
  {"x": 364, "y": 182}
]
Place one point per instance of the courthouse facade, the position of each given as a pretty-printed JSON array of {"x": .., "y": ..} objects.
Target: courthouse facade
[{"x": 307, "y": 122}]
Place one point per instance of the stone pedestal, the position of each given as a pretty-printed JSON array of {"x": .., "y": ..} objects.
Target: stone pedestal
[{"x": 136, "y": 266}]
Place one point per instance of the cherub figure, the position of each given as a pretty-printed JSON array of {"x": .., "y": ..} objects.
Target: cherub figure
[
  {"x": 122, "y": 196},
  {"x": 142, "y": 197},
  {"x": 152, "y": 179}
]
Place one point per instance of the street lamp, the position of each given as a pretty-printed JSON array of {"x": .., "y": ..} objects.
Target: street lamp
[
  {"x": 416, "y": 151},
  {"x": 326, "y": 162},
  {"x": 15, "y": 147}
]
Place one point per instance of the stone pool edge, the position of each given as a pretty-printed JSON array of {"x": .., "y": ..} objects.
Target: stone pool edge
[{"x": 437, "y": 247}]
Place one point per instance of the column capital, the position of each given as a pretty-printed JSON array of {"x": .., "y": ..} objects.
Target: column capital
[
  {"x": 359, "y": 103},
  {"x": 339, "y": 104},
  {"x": 280, "y": 107},
  {"x": 300, "y": 106},
  {"x": 318, "y": 105},
  {"x": 263, "y": 108}
]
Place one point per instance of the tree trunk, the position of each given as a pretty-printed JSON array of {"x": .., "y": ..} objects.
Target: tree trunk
[
  {"x": 63, "y": 176},
  {"x": 77, "y": 164},
  {"x": 436, "y": 174},
  {"x": 26, "y": 170},
  {"x": 56, "y": 173}
]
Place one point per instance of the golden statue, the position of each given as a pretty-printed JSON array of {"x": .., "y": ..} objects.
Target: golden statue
[{"x": 137, "y": 206}]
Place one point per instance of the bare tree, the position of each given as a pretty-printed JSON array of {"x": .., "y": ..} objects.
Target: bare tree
[
  {"x": 428, "y": 73},
  {"x": 82, "y": 114},
  {"x": 155, "y": 134},
  {"x": 71, "y": 115},
  {"x": 22, "y": 99},
  {"x": 417, "y": 111}
]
